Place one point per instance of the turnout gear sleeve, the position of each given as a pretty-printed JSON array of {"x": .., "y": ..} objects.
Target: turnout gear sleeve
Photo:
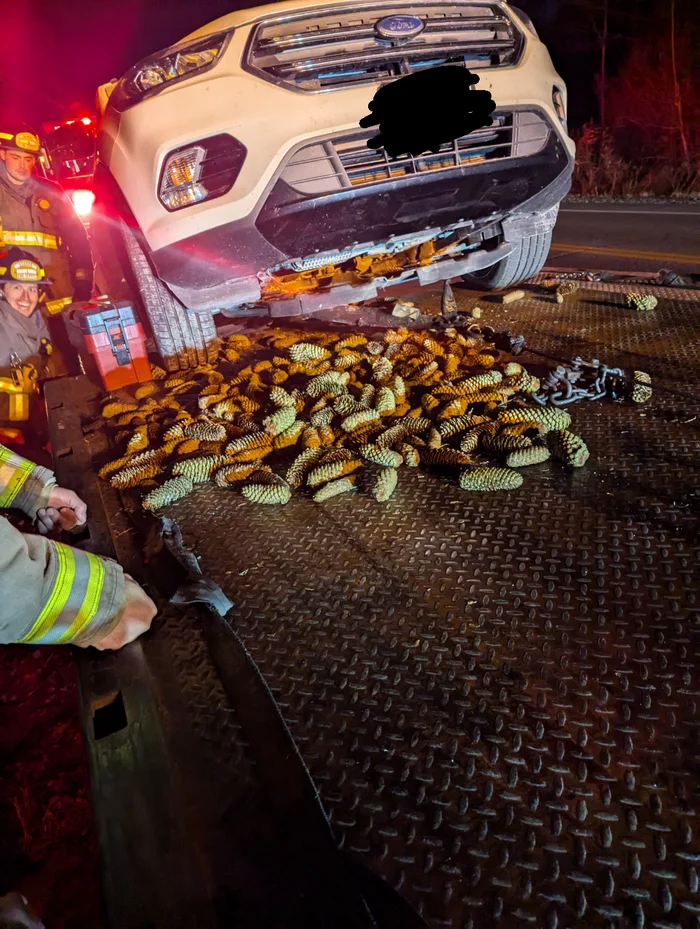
[
  {"x": 23, "y": 485},
  {"x": 52, "y": 594}
]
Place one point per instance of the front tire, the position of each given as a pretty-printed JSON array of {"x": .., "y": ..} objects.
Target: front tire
[
  {"x": 184, "y": 338},
  {"x": 525, "y": 261}
]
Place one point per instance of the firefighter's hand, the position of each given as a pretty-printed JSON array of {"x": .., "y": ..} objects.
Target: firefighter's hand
[
  {"x": 15, "y": 911},
  {"x": 136, "y": 618},
  {"x": 65, "y": 511}
]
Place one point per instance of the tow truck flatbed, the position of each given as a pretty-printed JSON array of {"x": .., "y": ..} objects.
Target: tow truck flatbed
[{"x": 496, "y": 696}]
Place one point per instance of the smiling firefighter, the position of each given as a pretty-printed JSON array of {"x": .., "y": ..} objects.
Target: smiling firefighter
[{"x": 25, "y": 345}]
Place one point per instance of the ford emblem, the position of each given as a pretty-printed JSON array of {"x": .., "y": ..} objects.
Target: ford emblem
[{"x": 399, "y": 27}]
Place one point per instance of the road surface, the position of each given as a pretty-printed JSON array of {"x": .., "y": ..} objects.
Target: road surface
[{"x": 621, "y": 237}]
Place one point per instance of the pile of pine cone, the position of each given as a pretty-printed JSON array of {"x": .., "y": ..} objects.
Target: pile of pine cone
[{"x": 299, "y": 409}]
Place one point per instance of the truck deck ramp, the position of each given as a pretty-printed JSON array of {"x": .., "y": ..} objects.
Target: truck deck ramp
[{"x": 497, "y": 696}]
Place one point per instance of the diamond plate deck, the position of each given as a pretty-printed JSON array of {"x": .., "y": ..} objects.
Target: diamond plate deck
[
  {"x": 498, "y": 696},
  {"x": 190, "y": 835}
]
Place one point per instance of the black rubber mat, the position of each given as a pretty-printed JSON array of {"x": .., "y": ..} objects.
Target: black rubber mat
[{"x": 498, "y": 696}]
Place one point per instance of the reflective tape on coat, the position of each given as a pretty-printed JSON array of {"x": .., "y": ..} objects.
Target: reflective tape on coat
[
  {"x": 28, "y": 238},
  {"x": 73, "y": 601},
  {"x": 14, "y": 472},
  {"x": 55, "y": 306}
]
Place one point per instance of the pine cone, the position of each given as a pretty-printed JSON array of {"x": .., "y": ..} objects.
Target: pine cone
[
  {"x": 267, "y": 493},
  {"x": 565, "y": 289},
  {"x": 460, "y": 424},
  {"x": 410, "y": 455},
  {"x": 490, "y": 479},
  {"x": 385, "y": 484},
  {"x": 290, "y": 436},
  {"x": 640, "y": 302},
  {"x": 568, "y": 447},
  {"x": 174, "y": 489},
  {"x": 504, "y": 444},
  {"x": 232, "y": 473},
  {"x": 322, "y": 417},
  {"x": 205, "y": 431},
  {"x": 551, "y": 417},
  {"x": 385, "y": 457},
  {"x": 386, "y": 401},
  {"x": 359, "y": 419},
  {"x": 641, "y": 391},
  {"x": 334, "y": 489},
  {"x": 307, "y": 351},
  {"x": 296, "y": 472},
  {"x": 199, "y": 470},
  {"x": 329, "y": 472},
  {"x": 445, "y": 457},
  {"x": 527, "y": 456}
]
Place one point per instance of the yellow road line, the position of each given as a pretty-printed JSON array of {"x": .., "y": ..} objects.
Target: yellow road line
[{"x": 627, "y": 253}]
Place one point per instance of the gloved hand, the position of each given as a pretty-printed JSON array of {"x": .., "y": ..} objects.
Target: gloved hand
[
  {"x": 15, "y": 912},
  {"x": 65, "y": 511},
  {"x": 82, "y": 291},
  {"x": 136, "y": 618}
]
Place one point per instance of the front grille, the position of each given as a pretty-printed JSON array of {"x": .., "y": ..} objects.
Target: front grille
[
  {"x": 346, "y": 161},
  {"x": 335, "y": 49}
]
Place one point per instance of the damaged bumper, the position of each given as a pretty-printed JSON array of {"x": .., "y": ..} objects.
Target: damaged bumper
[{"x": 504, "y": 200}]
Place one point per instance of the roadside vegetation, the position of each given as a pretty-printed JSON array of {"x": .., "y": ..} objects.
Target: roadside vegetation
[
  {"x": 633, "y": 76},
  {"x": 603, "y": 171}
]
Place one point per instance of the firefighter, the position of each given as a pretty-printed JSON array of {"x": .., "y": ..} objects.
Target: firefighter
[
  {"x": 23, "y": 332},
  {"x": 53, "y": 594},
  {"x": 37, "y": 214},
  {"x": 26, "y": 352}
]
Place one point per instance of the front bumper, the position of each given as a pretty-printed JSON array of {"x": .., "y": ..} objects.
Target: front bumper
[{"x": 218, "y": 268}]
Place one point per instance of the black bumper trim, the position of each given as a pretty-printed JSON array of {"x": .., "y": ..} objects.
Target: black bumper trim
[{"x": 237, "y": 251}]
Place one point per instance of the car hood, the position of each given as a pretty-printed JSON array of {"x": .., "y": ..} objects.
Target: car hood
[{"x": 251, "y": 15}]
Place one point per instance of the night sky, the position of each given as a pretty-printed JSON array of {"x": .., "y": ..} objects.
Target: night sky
[{"x": 56, "y": 53}]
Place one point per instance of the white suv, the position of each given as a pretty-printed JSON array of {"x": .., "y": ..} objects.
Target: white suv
[{"x": 242, "y": 183}]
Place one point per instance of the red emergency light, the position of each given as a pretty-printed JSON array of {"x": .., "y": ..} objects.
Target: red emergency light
[{"x": 83, "y": 201}]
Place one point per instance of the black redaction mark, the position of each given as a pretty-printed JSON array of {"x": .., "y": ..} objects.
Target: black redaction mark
[{"x": 422, "y": 111}]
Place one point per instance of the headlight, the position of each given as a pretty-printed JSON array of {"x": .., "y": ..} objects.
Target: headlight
[{"x": 168, "y": 67}]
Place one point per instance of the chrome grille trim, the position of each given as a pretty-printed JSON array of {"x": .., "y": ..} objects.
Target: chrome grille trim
[{"x": 333, "y": 48}]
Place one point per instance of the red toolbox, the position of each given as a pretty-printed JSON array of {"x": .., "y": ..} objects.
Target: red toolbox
[{"x": 117, "y": 342}]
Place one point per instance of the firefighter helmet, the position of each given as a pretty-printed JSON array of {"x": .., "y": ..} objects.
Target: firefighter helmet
[
  {"x": 19, "y": 267},
  {"x": 23, "y": 141}
]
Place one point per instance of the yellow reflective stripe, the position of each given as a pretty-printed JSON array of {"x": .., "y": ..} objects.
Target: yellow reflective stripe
[
  {"x": 6, "y": 135},
  {"x": 90, "y": 603},
  {"x": 39, "y": 239},
  {"x": 54, "y": 606},
  {"x": 14, "y": 472},
  {"x": 55, "y": 306}
]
